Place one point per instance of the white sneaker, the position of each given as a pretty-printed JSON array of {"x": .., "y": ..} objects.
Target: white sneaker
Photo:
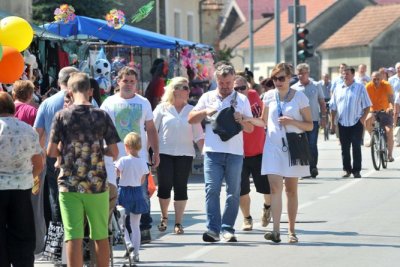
[
  {"x": 135, "y": 258},
  {"x": 228, "y": 237}
]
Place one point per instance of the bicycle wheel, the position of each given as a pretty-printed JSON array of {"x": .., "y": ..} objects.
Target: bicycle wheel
[
  {"x": 375, "y": 152},
  {"x": 383, "y": 151},
  {"x": 326, "y": 133}
]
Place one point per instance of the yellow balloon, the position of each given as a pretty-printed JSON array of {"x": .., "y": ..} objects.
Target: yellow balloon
[{"x": 15, "y": 32}]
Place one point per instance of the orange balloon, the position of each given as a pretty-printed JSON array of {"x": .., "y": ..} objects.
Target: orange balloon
[{"x": 11, "y": 65}]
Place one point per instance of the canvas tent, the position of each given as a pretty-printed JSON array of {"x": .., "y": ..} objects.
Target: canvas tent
[{"x": 128, "y": 35}]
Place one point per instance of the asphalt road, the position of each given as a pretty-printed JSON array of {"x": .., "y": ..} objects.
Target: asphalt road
[{"x": 341, "y": 222}]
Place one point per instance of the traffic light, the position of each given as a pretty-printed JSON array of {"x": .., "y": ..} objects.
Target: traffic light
[{"x": 303, "y": 46}]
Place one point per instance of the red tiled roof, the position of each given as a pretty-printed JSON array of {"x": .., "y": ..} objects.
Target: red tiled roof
[
  {"x": 261, "y": 6},
  {"x": 266, "y": 35},
  {"x": 364, "y": 27},
  {"x": 241, "y": 33}
]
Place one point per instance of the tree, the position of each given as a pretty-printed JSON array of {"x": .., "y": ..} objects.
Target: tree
[
  {"x": 43, "y": 9},
  {"x": 224, "y": 54}
]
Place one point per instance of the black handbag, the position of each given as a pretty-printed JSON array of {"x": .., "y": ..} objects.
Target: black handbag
[
  {"x": 223, "y": 123},
  {"x": 299, "y": 151}
]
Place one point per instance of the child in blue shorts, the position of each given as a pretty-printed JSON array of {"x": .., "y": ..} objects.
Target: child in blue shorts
[{"x": 132, "y": 171}]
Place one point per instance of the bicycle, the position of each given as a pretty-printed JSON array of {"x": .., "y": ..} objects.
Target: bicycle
[{"x": 379, "y": 150}]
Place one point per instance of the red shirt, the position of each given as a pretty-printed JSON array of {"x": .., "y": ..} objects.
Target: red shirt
[
  {"x": 254, "y": 141},
  {"x": 25, "y": 112}
]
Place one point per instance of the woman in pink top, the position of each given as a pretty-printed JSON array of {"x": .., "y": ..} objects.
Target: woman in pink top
[{"x": 22, "y": 93}]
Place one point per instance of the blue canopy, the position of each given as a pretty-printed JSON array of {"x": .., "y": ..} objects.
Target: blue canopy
[{"x": 128, "y": 35}]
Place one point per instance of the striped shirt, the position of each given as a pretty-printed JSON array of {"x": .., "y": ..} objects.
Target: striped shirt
[
  {"x": 395, "y": 83},
  {"x": 349, "y": 103}
]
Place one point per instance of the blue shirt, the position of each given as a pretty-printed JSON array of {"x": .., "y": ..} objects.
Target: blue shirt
[
  {"x": 47, "y": 111},
  {"x": 314, "y": 93},
  {"x": 349, "y": 103},
  {"x": 335, "y": 83}
]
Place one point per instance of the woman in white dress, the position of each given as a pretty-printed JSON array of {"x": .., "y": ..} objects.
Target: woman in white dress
[{"x": 285, "y": 110}]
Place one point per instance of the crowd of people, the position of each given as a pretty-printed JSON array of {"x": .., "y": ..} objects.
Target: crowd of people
[{"x": 69, "y": 162}]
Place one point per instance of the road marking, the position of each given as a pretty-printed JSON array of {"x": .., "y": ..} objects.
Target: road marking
[{"x": 200, "y": 252}]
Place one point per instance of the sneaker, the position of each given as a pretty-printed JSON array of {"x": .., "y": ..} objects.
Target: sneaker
[
  {"x": 314, "y": 172},
  {"x": 210, "y": 236},
  {"x": 357, "y": 175},
  {"x": 145, "y": 236},
  {"x": 273, "y": 236},
  {"x": 135, "y": 257},
  {"x": 346, "y": 174},
  {"x": 266, "y": 216},
  {"x": 228, "y": 237},
  {"x": 247, "y": 224}
]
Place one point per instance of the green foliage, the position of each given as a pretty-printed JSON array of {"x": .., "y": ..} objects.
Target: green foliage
[
  {"x": 43, "y": 9},
  {"x": 224, "y": 54}
]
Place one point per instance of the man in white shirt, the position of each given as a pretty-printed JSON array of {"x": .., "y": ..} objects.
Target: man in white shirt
[
  {"x": 131, "y": 112},
  {"x": 395, "y": 80},
  {"x": 362, "y": 76},
  {"x": 222, "y": 159}
]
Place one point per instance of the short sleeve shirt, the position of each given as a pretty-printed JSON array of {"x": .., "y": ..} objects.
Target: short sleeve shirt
[
  {"x": 379, "y": 96},
  {"x": 18, "y": 143},
  {"x": 313, "y": 91},
  {"x": 212, "y": 142},
  {"x": 25, "y": 113},
  {"x": 132, "y": 170},
  {"x": 82, "y": 129}
]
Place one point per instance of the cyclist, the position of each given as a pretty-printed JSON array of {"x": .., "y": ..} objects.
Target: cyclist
[{"x": 381, "y": 94}]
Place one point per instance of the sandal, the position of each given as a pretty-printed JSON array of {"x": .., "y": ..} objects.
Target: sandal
[
  {"x": 163, "y": 224},
  {"x": 273, "y": 236},
  {"x": 178, "y": 229},
  {"x": 293, "y": 238}
]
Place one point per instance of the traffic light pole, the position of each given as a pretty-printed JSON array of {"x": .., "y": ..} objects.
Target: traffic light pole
[{"x": 295, "y": 26}]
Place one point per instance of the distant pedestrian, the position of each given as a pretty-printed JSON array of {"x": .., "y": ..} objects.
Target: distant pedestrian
[
  {"x": 349, "y": 107},
  {"x": 316, "y": 98}
]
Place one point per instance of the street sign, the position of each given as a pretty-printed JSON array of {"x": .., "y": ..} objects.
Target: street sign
[{"x": 300, "y": 15}]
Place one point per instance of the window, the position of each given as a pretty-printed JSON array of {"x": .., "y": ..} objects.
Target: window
[
  {"x": 177, "y": 24},
  {"x": 190, "y": 27}
]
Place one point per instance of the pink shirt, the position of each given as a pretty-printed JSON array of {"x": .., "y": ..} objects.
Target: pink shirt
[{"x": 25, "y": 113}]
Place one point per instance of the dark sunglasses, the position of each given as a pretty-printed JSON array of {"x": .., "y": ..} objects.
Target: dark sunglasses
[
  {"x": 182, "y": 87},
  {"x": 240, "y": 88},
  {"x": 281, "y": 78}
]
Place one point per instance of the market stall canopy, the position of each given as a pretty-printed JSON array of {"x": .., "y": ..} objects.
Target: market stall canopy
[{"x": 128, "y": 35}]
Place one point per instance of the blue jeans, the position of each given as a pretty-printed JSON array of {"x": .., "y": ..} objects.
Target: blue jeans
[
  {"x": 145, "y": 219},
  {"x": 312, "y": 137},
  {"x": 218, "y": 166}
]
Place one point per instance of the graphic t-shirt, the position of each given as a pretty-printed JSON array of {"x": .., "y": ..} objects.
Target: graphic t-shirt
[
  {"x": 128, "y": 115},
  {"x": 82, "y": 129}
]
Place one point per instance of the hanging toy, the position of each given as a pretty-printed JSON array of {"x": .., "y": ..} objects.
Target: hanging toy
[
  {"x": 143, "y": 12},
  {"x": 65, "y": 13},
  {"x": 115, "y": 19}
]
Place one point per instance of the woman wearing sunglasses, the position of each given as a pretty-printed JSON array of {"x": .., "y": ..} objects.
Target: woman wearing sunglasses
[
  {"x": 176, "y": 137},
  {"x": 285, "y": 110}
]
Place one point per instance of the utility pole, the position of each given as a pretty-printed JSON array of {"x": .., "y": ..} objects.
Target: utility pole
[
  {"x": 277, "y": 31},
  {"x": 251, "y": 37},
  {"x": 295, "y": 24}
]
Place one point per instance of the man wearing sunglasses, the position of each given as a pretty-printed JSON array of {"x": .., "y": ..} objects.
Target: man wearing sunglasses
[
  {"x": 222, "y": 159},
  {"x": 253, "y": 150},
  {"x": 316, "y": 98}
]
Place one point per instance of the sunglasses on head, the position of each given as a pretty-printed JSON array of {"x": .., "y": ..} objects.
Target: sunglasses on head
[
  {"x": 281, "y": 78},
  {"x": 240, "y": 88},
  {"x": 182, "y": 87}
]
